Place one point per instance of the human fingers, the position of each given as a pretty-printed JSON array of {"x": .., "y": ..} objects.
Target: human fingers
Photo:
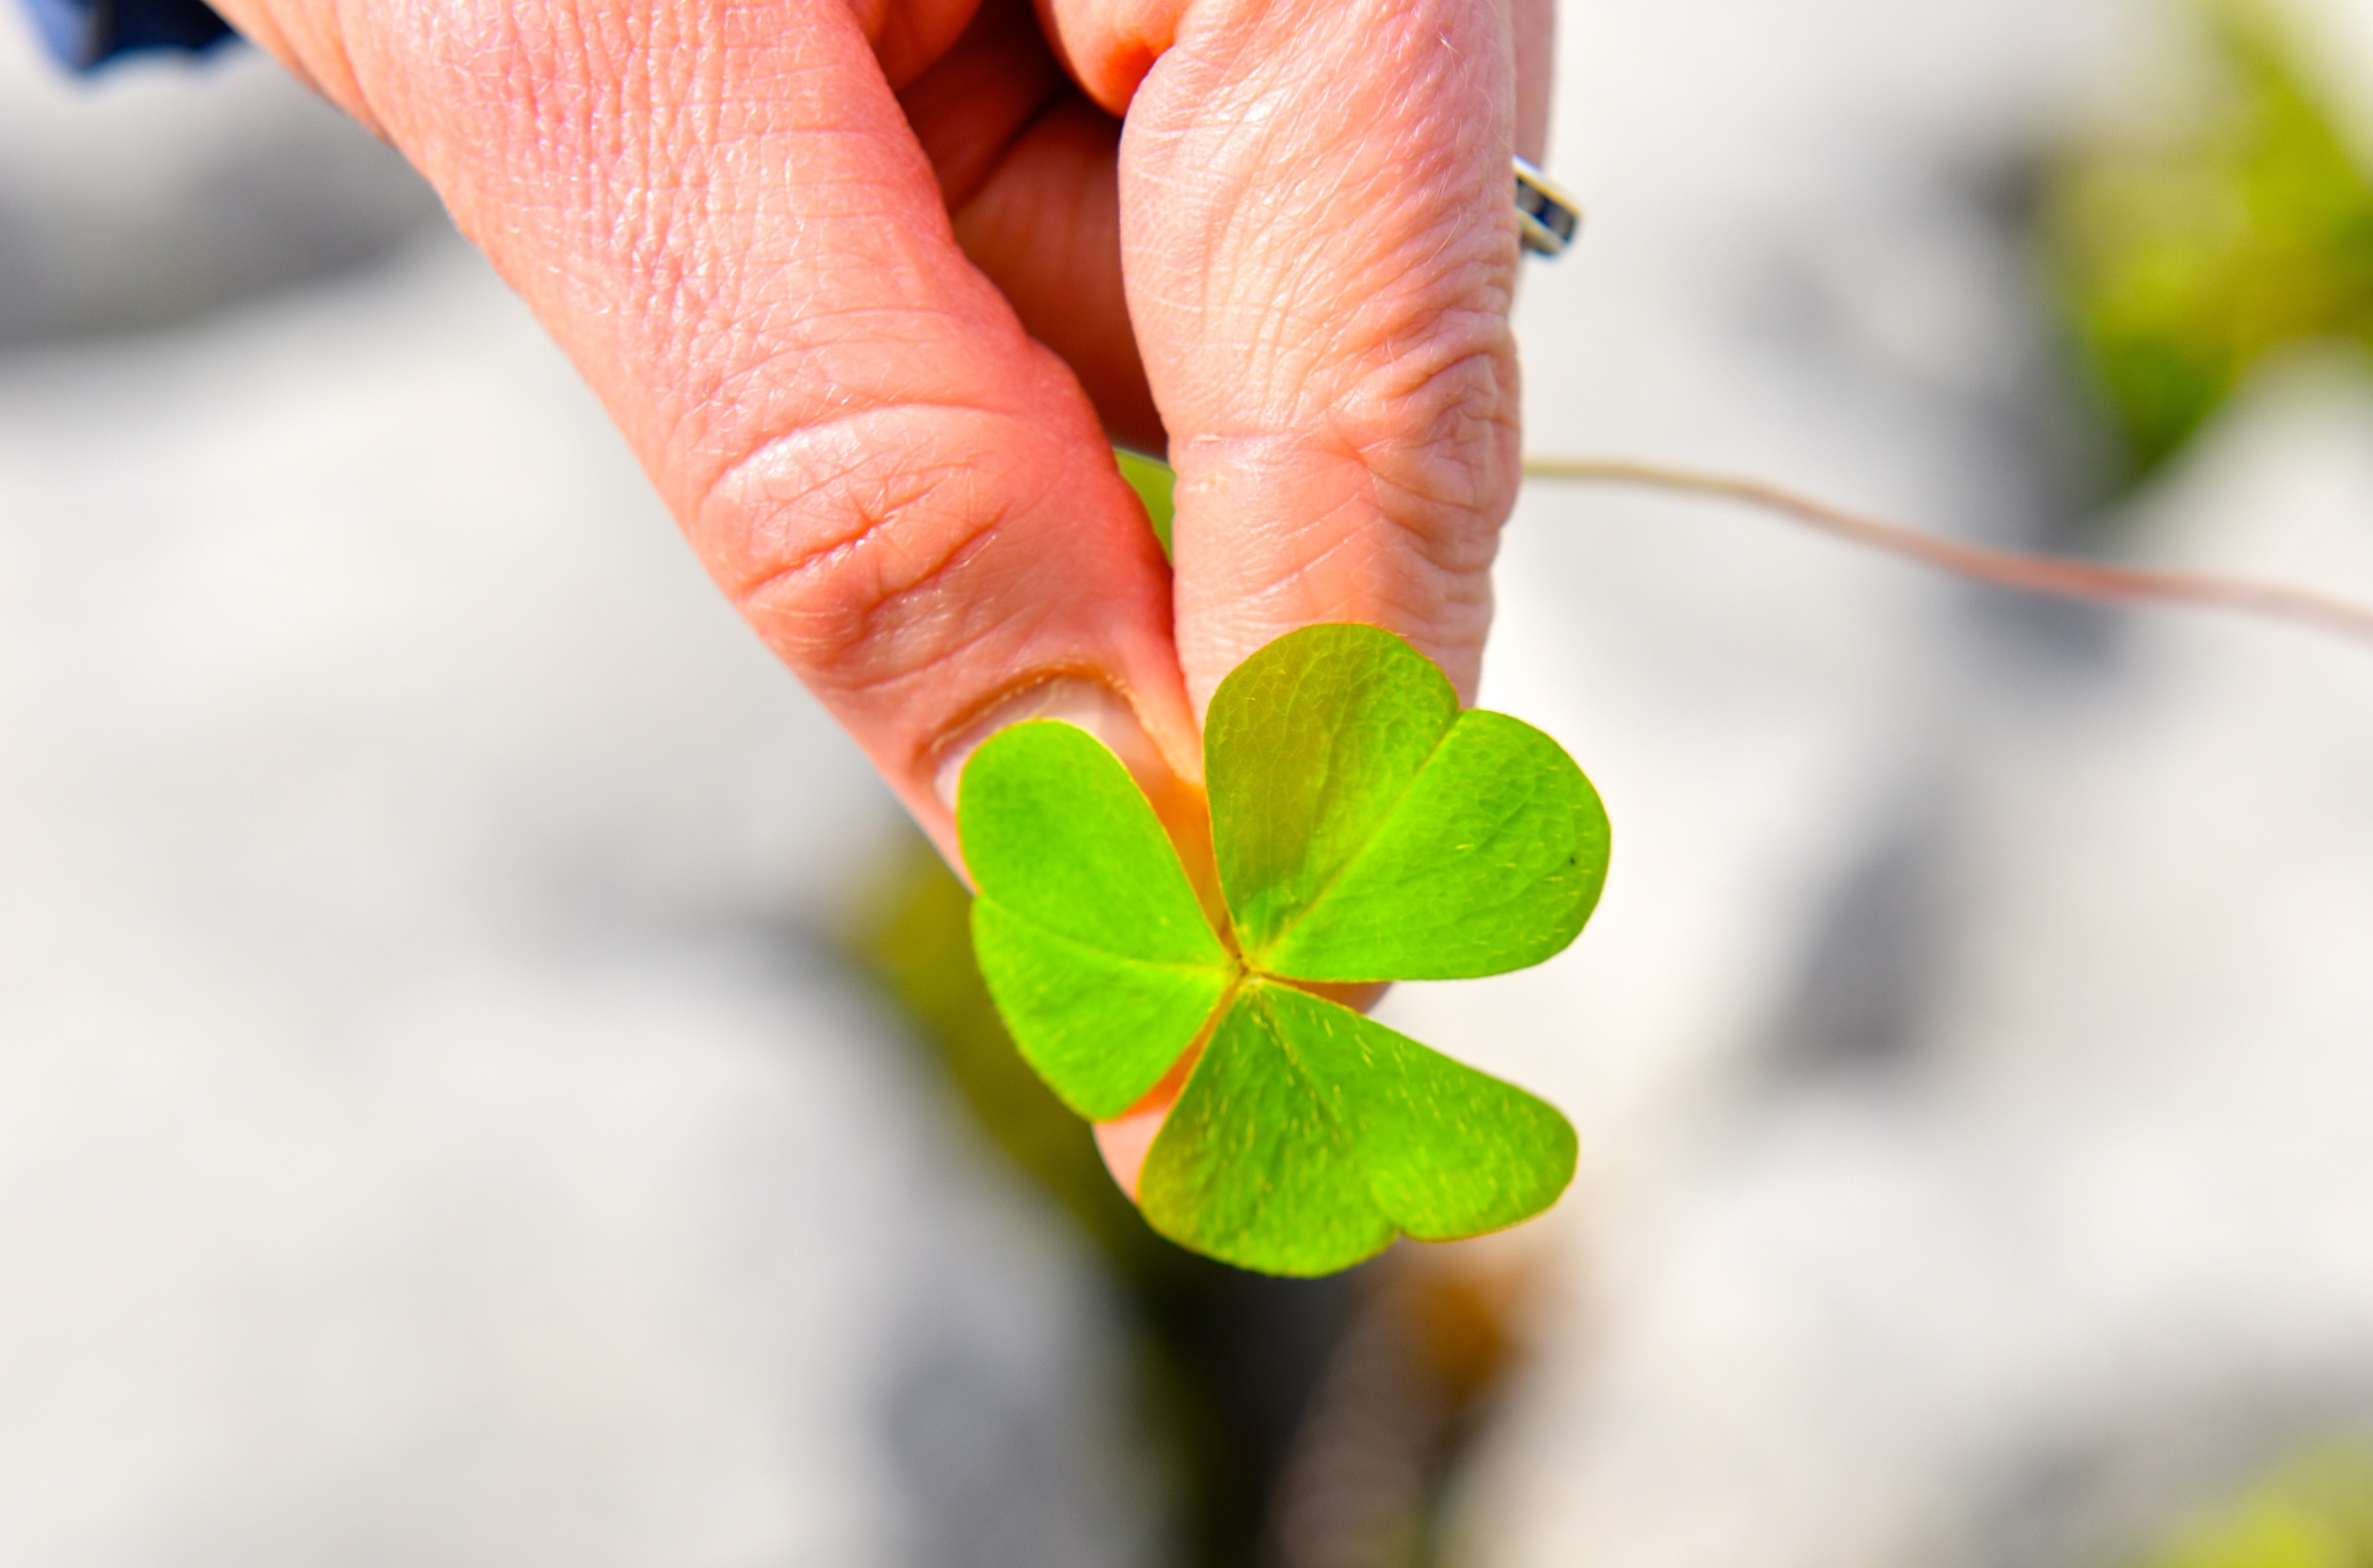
[
  {"x": 719, "y": 211},
  {"x": 1320, "y": 253},
  {"x": 1028, "y": 169}
]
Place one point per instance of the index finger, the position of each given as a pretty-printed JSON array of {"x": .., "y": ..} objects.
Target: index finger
[{"x": 721, "y": 212}]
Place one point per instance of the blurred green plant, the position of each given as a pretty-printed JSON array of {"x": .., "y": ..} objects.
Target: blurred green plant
[
  {"x": 915, "y": 938},
  {"x": 2184, "y": 262},
  {"x": 2314, "y": 1512}
]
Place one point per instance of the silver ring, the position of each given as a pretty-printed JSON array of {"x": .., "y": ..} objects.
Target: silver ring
[{"x": 1547, "y": 216}]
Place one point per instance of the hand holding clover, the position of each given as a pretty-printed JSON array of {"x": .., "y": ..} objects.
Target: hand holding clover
[
  {"x": 870, "y": 286},
  {"x": 1363, "y": 828}
]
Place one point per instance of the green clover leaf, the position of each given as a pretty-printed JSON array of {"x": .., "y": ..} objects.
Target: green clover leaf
[{"x": 1363, "y": 828}]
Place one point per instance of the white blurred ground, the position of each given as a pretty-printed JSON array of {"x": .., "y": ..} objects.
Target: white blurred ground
[
  {"x": 1974, "y": 1051},
  {"x": 428, "y": 1131},
  {"x": 418, "y": 1144}
]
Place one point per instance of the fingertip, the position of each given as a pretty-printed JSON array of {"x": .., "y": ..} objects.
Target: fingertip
[
  {"x": 1107, "y": 46},
  {"x": 1125, "y": 1140},
  {"x": 1128, "y": 1139}
]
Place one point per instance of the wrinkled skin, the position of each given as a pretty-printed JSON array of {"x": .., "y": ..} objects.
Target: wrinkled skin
[{"x": 858, "y": 280}]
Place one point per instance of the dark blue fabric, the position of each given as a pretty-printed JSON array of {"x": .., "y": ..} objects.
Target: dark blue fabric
[{"x": 86, "y": 33}]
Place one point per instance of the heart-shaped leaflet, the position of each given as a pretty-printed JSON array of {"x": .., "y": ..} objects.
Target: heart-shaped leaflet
[{"x": 1363, "y": 828}]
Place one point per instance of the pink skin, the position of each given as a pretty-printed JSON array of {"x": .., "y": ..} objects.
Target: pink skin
[{"x": 867, "y": 283}]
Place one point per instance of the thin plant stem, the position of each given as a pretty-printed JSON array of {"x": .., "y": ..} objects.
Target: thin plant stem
[{"x": 2006, "y": 568}]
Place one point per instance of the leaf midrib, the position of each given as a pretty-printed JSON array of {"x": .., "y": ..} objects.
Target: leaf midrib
[
  {"x": 1277, "y": 1032},
  {"x": 1229, "y": 963},
  {"x": 1258, "y": 962}
]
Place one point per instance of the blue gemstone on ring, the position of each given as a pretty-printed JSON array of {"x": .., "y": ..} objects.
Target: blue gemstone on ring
[{"x": 1547, "y": 216}]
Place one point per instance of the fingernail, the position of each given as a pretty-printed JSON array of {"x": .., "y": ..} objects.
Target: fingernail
[{"x": 1075, "y": 700}]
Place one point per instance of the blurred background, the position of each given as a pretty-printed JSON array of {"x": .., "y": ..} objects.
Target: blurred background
[{"x": 487, "y": 1078}]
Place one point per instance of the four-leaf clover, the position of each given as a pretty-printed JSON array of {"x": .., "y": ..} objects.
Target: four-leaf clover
[{"x": 1363, "y": 828}]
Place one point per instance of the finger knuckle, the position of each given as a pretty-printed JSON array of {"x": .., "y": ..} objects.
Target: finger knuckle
[
  {"x": 1434, "y": 422},
  {"x": 861, "y": 545}
]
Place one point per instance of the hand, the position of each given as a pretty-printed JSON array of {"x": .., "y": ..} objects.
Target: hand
[{"x": 857, "y": 279}]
